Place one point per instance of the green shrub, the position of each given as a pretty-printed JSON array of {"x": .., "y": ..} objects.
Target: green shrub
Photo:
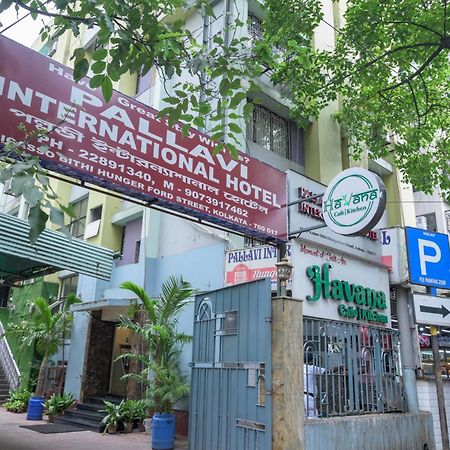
[
  {"x": 18, "y": 400},
  {"x": 58, "y": 403}
]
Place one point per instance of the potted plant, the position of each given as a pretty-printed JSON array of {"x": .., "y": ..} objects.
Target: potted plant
[
  {"x": 127, "y": 411},
  {"x": 44, "y": 330},
  {"x": 164, "y": 343},
  {"x": 51, "y": 407},
  {"x": 57, "y": 404},
  {"x": 66, "y": 401},
  {"x": 167, "y": 386},
  {"x": 140, "y": 414},
  {"x": 111, "y": 420}
]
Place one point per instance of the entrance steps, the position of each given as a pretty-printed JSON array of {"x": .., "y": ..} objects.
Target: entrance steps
[
  {"x": 87, "y": 415},
  {"x": 4, "y": 387}
]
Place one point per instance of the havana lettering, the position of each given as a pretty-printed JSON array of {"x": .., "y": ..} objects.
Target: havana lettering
[{"x": 365, "y": 299}]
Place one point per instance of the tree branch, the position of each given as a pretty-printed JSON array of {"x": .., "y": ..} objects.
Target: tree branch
[
  {"x": 416, "y": 105},
  {"x": 417, "y": 72},
  {"x": 415, "y": 24},
  {"x": 50, "y": 14},
  {"x": 398, "y": 49}
]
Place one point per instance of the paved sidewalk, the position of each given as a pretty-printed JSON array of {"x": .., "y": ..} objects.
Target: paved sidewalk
[{"x": 14, "y": 438}]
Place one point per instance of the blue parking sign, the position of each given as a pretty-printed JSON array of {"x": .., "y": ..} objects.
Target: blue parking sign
[{"x": 428, "y": 258}]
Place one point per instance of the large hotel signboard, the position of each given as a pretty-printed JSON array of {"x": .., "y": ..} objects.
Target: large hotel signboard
[{"x": 124, "y": 147}]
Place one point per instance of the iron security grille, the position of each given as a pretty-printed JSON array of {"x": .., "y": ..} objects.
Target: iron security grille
[
  {"x": 269, "y": 130},
  {"x": 255, "y": 28},
  {"x": 351, "y": 369}
]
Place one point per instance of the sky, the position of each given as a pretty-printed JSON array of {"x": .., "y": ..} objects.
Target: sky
[{"x": 25, "y": 31}]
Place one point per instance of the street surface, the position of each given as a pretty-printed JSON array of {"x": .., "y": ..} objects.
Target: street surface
[{"x": 14, "y": 438}]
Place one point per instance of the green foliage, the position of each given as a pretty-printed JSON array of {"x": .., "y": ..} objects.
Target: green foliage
[
  {"x": 44, "y": 330},
  {"x": 18, "y": 400},
  {"x": 113, "y": 414},
  {"x": 133, "y": 410},
  {"x": 167, "y": 386},
  {"x": 389, "y": 70},
  {"x": 161, "y": 373},
  {"x": 126, "y": 412},
  {"x": 58, "y": 403},
  {"x": 29, "y": 179}
]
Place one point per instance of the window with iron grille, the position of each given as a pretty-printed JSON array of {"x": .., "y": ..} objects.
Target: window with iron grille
[
  {"x": 252, "y": 242},
  {"x": 255, "y": 28},
  {"x": 78, "y": 224},
  {"x": 269, "y": 130}
]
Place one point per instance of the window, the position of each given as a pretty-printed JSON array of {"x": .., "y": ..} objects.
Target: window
[
  {"x": 96, "y": 214},
  {"x": 68, "y": 286},
  {"x": 269, "y": 130},
  {"x": 230, "y": 323},
  {"x": 427, "y": 353},
  {"x": 255, "y": 28},
  {"x": 447, "y": 220},
  {"x": 137, "y": 251},
  {"x": 144, "y": 81},
  {"x": 4, "y": 296},
  {"x": 78, "y": 224},
  {"x": 252, "y": 242},
  {"x": 131, "y": 243}
]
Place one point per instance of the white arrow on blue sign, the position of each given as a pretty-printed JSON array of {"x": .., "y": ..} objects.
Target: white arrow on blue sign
[{"x": 428, "y": 258}]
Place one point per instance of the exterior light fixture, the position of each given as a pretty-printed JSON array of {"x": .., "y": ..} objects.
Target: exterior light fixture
[{"x": 284, "y": 272}]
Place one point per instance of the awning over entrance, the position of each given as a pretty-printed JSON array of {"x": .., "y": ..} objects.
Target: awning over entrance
[
  {"x": 53, "y": 251},
  {"x": 101, "y": 304}
]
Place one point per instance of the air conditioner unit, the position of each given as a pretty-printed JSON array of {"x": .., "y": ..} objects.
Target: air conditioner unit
[{"x": 421, "y": 222}]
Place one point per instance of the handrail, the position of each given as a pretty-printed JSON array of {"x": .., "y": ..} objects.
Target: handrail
[{"x": 8, "y": 363}]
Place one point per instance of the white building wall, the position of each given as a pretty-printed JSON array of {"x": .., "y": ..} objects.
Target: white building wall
[
  {"x": 426, "y": 392},
  {"x": 434, "y": 203}
]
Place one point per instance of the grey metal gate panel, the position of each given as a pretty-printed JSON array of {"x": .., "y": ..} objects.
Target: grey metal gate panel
[{"x": 231, "y": 404}]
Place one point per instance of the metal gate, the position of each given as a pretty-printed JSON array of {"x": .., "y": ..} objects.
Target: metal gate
[{"x": 231, "y": 404}]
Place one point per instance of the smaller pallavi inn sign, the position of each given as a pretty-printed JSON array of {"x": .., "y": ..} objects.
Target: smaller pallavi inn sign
[{"x": 354, "y": 301}]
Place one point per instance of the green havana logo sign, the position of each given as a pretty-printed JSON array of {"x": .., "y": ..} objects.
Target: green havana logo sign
[
  {"x": 358, "y": 302},
  {"x": 354, "y": 202}
]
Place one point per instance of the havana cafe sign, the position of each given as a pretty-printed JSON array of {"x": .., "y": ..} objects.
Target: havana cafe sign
[
  {"x": 354, "y": 202},
  {"x": 354, "y": 301}
]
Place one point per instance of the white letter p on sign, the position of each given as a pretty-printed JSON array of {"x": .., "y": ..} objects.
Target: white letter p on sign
[{"x": 424, "y": 259}]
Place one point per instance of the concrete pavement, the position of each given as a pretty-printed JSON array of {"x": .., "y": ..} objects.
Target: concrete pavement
[{"x": 14, "y": 438}]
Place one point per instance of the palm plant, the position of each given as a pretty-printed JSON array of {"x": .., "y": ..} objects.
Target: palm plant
[
  {"x": 163, "y": 341},
  {"x": 44, "y": 329}
]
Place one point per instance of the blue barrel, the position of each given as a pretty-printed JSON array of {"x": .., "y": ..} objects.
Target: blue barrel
[
  {"x": 35, "y": 408},
  {"x": 163, "y": 431}
]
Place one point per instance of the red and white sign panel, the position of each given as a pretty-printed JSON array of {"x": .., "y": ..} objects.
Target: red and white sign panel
[
  {"x": 250, "y": 264},
  {"x": 122, "y": 146}
]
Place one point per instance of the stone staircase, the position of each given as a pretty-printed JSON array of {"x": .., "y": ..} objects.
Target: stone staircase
[
  {"x": 4, "y": 387},
  {"x": 87, "y": 415}
]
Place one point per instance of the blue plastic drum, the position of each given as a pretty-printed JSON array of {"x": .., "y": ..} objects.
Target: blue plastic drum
[
  {"x": 35, "y": 408},
  {"x": 163, "y": 431}
]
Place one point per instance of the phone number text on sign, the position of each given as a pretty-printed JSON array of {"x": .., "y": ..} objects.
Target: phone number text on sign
[{"x": 123, "y": 146}]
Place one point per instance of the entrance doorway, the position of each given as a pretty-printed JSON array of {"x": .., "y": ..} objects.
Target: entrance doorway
[
  {"x": 96, "y": 378},
  {"x": 119, "y": 368}
]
